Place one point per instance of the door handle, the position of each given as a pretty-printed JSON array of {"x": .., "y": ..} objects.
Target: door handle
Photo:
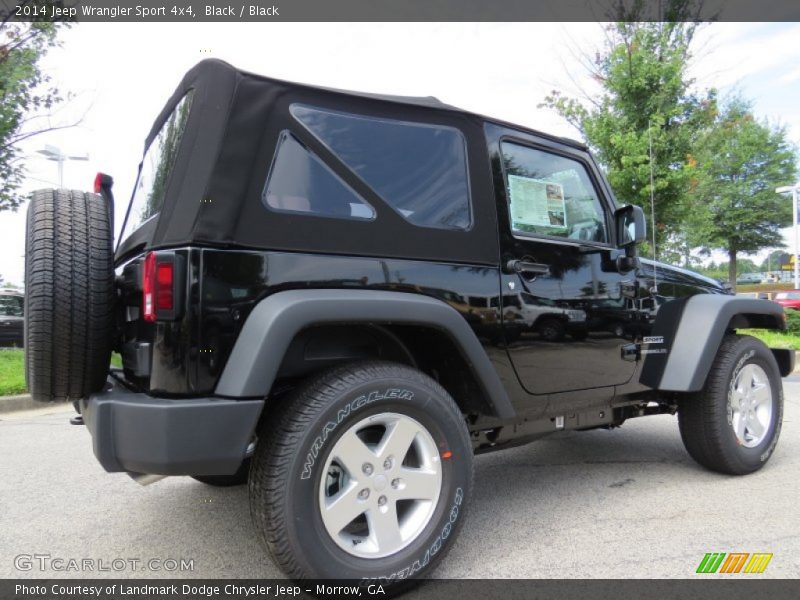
[{"x": 527, "y": 269}]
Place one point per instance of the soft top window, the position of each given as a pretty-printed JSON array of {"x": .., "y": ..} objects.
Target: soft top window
[
  {"x": 156, "y": 167},
  {"x": 420, "y": 170},
  {"x": 299, "y": 182}
]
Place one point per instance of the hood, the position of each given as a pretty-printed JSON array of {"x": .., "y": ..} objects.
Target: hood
[{"x": 664, "y": 272}]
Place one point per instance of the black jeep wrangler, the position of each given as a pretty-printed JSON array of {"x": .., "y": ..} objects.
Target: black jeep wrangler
[{"x": 337, "y": 298}]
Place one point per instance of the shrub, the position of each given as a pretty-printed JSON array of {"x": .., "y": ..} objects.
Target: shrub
[{"x": 792, "y": 321}]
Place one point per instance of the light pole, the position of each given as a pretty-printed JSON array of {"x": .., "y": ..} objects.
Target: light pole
[
  {"x": 55, "y": 154},
  {"x": 785, "y": 190}
]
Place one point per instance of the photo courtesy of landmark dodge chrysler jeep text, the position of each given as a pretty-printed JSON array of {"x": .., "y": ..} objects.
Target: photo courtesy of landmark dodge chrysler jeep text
[{"x": 338, "y": 298}]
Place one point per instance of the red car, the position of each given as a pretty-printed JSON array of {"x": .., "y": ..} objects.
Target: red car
[{"x": 790, "y": 299}]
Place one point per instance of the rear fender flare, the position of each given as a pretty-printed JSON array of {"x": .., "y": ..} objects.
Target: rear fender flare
[{"x": 272, "y": 325}]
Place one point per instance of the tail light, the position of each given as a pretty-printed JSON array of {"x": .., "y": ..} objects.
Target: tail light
[
  {"x": 161, "y": 286},
  {"x": 102, "y": 185},
  {"x": 98, "y": 183}
]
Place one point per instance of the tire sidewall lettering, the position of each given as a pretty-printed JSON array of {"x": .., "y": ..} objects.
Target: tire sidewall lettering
[
  {"x": 310, "y": 539},
  {"x": 433, "y": 549},
  {"x": 341, "y": 415}
]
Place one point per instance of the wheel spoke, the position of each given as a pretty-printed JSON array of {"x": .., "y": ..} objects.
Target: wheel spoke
[
  {"x": 762, "y": 395},
  {"x": 739, "y": 425},
  {"x": 755, "y": 427},
  {"x": 746, "y": 378},
  {"x": 352, "y": 453},
  {"x": 384, "y": 527},
  {"x": 417, "y": 484},
  {"x": 736, "y": 399},
  {"x": 397, "y": 440},
  {"x": 341, "y": 509}
]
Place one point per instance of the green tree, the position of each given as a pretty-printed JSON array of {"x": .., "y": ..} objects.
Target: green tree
[
  {"x": 646, "y": 100},
  {"x": 773, "y": 260},
  {"x": 740, "y": 163},
  {"x": 27, "y": 96}
]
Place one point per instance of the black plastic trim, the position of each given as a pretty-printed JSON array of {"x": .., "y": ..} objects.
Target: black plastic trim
[
  {"x": 276, "y": 320},
  {"x": 785, "y": 359},
  {"x": 138, "y": 433},
  {"x": 692, "y": 330}
]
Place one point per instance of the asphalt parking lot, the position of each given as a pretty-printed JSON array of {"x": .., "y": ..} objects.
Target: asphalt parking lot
[{"x": 627, "y": 503}]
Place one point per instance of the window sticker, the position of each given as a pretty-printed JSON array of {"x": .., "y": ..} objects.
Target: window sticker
[{"x": 536, "y": 203}]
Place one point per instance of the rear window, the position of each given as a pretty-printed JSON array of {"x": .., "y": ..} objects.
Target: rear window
[
  {"x": 788, "y": 296},
  {"x": 420, "y": 170},
  {"x": 156, "y": 167}
]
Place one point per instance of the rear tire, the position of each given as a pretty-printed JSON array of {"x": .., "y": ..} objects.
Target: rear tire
[
  {"x": 733, "y": 424},
  {"x": 69, "y": 295},
  {"x": 337, "y": 490}
]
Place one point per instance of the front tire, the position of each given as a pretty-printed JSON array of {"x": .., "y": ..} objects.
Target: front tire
[
  {"x": 364, "y": 473},
  {"x": 733, "y": 424}
]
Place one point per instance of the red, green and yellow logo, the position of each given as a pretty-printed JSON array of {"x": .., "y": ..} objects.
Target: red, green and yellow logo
[{"x": 734, "y": 562}]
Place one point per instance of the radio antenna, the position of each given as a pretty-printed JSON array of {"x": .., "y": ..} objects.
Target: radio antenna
[{"x": 652, "y": 207}]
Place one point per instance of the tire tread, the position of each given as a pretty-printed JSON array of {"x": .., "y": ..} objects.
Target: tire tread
[{"x": 69, "y": 295}]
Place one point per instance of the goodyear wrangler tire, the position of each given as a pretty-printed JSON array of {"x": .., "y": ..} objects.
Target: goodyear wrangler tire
[
  {"x": 733, "y": 424},
  {"x": 69, "y": 295},
  {"x": 365, "y": 473}
]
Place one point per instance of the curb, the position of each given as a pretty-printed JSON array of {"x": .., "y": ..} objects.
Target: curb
[{"x": 16, "y": 403}]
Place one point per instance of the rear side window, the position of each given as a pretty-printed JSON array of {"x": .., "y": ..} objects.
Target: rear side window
[
  {"x": 419, "y": 170},
  {"x": 157, "y": 164},
  {"x": 299, "y": 182}
]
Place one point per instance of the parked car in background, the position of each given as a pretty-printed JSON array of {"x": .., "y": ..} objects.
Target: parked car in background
[
  {"x": 11, "y": 318},
  {"x": 748, "y": 278},
  {"x": 789, "y": 299}
]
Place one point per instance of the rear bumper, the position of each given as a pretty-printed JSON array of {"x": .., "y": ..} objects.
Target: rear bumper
[{"x": 195, "y": 436}]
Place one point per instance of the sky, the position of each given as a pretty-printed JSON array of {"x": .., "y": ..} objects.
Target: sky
[{"x": 120, "y": 75}]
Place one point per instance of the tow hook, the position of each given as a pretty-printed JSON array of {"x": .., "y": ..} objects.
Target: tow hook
[{"x": 77, "y": 420}]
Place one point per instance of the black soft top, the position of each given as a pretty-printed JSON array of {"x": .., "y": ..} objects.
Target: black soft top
[{"x": 213, "y": 196}]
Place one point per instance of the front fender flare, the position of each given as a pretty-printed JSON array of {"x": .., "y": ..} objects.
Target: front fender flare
[
  {"x": 271, "y": 326},
  {"x": 692, "y": 329}
]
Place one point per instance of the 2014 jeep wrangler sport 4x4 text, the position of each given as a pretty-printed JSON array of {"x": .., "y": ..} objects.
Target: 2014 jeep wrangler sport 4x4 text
[{"x": 338, "y": 298}]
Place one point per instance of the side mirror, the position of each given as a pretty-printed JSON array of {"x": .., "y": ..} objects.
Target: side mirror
[{"x": 631, "y": 226}]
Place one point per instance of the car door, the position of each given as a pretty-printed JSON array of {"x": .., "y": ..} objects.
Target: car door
[
  {"x": 558, "y": 256},
  {"x": 11, "y": 320}
]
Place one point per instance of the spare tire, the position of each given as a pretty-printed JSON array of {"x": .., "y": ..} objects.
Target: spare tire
[{"x": 69, "y": 295}]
